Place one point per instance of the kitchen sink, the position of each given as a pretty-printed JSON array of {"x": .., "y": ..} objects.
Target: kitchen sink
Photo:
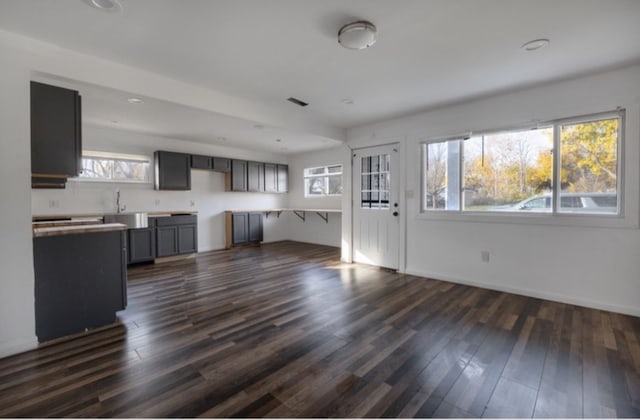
[{"x": 132, "y": 220}]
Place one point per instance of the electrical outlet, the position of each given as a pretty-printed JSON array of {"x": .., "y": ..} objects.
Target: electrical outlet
[{"x": 485, "y": 256}]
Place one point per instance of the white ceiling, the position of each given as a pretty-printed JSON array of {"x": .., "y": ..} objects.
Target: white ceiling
[
  {"x": 110, "y": 108},
  {"x": 429, "y": 52}
]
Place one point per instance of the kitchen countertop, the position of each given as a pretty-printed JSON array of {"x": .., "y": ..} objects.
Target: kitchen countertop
[
  {"x": 281, "y": 210},
  {"x": 62, "y": 217},
  {"x": 76, "y": 229},
  {"x": 72, "y": 222}
]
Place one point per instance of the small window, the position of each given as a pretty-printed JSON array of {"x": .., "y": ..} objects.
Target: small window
[
  {"x": 323, "y": 181},
  {"x": 114, "y": 167}
]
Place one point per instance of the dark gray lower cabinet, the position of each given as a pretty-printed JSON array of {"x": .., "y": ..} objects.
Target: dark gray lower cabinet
[
  {"x": 80, "y": 282},
  {"x": 240, "y": 228},
  {"x": 243, "y": 227},
  {"x": 176, "y": 235},
  {"x": 187, "y": 239},
  {"x": 142, "y": 245},
  {"x": 167, "y": 241},
  {"x": 255, "y": 227}
]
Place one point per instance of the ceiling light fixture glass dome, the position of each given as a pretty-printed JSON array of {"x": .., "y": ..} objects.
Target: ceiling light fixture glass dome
[{"x": 358, "y": 35}]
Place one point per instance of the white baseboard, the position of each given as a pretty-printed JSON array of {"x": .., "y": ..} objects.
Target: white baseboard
[
  {"x": 8, "y": 348},
  {"x": 556, "y": 297}
]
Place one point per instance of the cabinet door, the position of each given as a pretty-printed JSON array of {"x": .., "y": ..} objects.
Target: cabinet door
[
  {"x": 270, "y": 177},
  {"x": 255, "y": 227},
  {"x": 142, "y": 244},
  {"x": 283, "y": 178},
  {"x": 238, "y": 175},
  {"x": 255, "y": 176},
  {"x": 56, "y": 138},
  {"x": 166, "y": 241},
  {"x": 240, "y": 228},
  {"x": 172, "y": 171},
  {"x": 221, "y": 164},
  {"x": 187, "y": 239},
  {"x": 200, "y": 162}
]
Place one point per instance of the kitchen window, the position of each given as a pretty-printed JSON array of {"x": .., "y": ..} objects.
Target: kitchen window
[
  {"x": 323, "y": 181},
  {"x": 114, "y": 167},
  {"x": 568, "y": 166}
]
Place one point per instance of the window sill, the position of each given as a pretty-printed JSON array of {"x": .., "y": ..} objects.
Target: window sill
[
  {"x": 109, "y": 181},
  {"x": 564, "y": 220}
]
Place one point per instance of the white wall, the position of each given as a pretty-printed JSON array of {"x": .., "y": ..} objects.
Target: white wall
[
  {"x": 586, "y": 262},
  {"x": 17, "y": 317},
  {"x": 314, "y": 229},
  {"x": 207, "y": 195}
]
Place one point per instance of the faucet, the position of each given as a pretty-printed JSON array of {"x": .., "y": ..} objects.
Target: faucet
[{"x": 118, "y": 208}]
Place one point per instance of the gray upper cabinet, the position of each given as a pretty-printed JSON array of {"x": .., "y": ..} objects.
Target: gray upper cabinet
[
  {"x": 270, "y": 178},
  {"x": 200, "y": 162},
  {"x": 56, "y": 132},
  {"x": 172, "y": 171},
  {"x": 283, "y": 178},
  {"x": 221, "y": 164},
  {"x": 255, "y": 176},
  {"x": 238, "y": 176}
]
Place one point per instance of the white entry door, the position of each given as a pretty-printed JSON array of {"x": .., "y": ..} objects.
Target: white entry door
[{"x": 376, "y": 221}]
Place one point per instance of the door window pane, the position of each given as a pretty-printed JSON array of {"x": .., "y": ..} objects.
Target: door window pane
[{"x": 375, "y": 181}]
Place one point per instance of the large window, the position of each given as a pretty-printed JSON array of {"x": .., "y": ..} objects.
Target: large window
[
  {"x": 323, "y": 181},
  {"x": 114, "y": 167},
  {"x": 520, "y": 171}
]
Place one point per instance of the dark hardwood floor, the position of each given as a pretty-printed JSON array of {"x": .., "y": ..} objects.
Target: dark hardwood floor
[{"x": 286, "y": 330}]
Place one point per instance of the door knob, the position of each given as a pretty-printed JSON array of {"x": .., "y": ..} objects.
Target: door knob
[{"x": 395, "y": 213}]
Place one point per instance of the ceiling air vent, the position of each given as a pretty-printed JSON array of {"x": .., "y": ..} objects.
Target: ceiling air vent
[{"x": 297, "y": 101}]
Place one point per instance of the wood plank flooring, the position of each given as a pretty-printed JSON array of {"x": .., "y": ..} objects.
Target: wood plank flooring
[{"x": 286, "y": 330}]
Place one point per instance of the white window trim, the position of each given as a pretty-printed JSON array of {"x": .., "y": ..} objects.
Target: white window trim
[
  {"x": 622, "y": 220},
  {"x": 116, "y": 156},
  {"x": 324, "y": 175}
]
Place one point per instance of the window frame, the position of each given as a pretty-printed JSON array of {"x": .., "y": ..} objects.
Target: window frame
[
  {"x": 115, "y": 157},
  {"x": 326, "y": 174},
  {"x": 555, "y": 216}
]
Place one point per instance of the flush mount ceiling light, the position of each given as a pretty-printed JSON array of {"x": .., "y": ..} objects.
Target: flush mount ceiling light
[
  {"x": 357, "y": 35},
  {"x": 536, "y": 44},
  {"x": 105, "y": 5},
  {"x": 135, "y": 101}
]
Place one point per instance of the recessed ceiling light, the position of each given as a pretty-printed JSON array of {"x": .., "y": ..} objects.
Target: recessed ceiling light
[
  {"x": 135, "y": 101},
  {"x": 258, "y": 126},
  {"x": 348, "y": 101},
  {"x": 536, "y": 44},
  {"x": 357, "y": 35},
  {"x": 106, "y": 5}
]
